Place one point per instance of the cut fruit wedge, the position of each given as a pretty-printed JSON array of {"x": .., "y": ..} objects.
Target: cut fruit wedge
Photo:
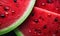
[
  {"x": 13, "y": 13},
  {"x": 41, "y": 22}
]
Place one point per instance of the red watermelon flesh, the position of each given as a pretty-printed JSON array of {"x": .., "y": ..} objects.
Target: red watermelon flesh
[
  {"x": 41, "y": 22},
  {"x": 11, "y": 11},
  {"x": 51, "y": 5}
]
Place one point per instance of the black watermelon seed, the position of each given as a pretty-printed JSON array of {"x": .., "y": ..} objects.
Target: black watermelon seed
[
  {"x": 49, "y": 1},
  {"x": 6, "y": 8},
  {"x": 57, "y": 31},
  {"x": 15, "y": 1},
  {"x": 32, "y": 14},
  {"x": 38, "y": 31},
  {"x": 2, "y": 15},
  {"x": 56, "y": 19},
  {"x": 45, "y": 26}
]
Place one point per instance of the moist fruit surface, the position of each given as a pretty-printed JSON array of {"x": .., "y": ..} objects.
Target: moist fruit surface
[
  {"x": 51, "y": 5},
  {"x": 41, "y": 22},
  {"x": 13, "y": 13}
]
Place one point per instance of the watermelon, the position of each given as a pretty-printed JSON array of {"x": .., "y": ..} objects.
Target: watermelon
[
  {"x": 12, "y": 33},
  {"x": 13, "y": 13},
  {"x": 51, "y": 5},
  {"x": 41, "y": 22}
]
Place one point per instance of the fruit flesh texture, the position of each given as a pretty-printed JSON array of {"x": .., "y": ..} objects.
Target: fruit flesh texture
[
  {"x": 51, "y": 5},
  {"x": 41, "y": 23},
  {"x": 11, "y": 10}
]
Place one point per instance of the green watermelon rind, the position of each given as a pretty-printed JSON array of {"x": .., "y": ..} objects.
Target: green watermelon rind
[
  {"x": 19, "y": 21},
  {"x": 18, "y": 33}
]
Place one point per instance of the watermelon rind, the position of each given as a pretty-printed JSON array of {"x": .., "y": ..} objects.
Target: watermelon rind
[
  {"x": 18, "y": 33},
  {"x": 19, "y": 21}
]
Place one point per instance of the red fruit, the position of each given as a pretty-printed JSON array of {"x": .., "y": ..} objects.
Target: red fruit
[
  {"x": 13, "y": 13},
  {"x": 51, "y": 5},
  {"x": 41, "y": 22}
]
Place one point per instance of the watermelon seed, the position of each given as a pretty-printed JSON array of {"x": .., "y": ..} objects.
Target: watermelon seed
[
  {"x": 57, "y": 31},
  {"x": 56, "y": 19},
  {"x": 49, "y": 1},
  {"x": 45, "y": 26},
  {"x": 6, "y": 8},
  {"x": 36, "y": 21},
  {"x": 15, "y": 1},
  {"x": 2, "y": 15},
  {"x": 37, "y": 31},
  {"x": 32, "y": 14}
]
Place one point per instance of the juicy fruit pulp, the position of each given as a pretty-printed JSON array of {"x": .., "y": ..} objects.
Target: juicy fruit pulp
[
  {"x": 13, "y": 13},
  {"x": 51, "y": 5},
  {"x": 41, "y": 22}
]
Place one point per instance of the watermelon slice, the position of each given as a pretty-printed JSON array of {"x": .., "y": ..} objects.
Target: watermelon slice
[
  {"x": 51, "y": 5},
  {"x": 13, "y": 13},
  {"x": 41, "y": 22},
  {"x": 12, "y": 33}
]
